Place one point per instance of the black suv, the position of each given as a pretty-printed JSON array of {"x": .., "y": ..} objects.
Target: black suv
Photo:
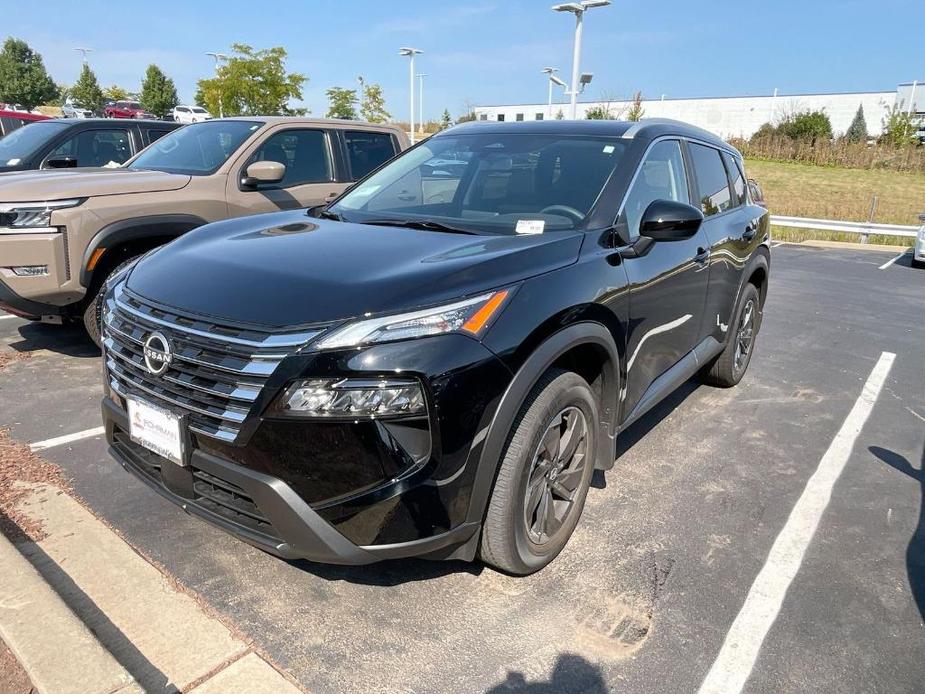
[
  {"x": 435, "y": 364},
  {"x": 63, "y": 143}
]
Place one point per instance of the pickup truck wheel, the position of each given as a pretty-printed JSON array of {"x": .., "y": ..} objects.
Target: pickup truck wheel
[
  {"x": 93, "y": 313},
  {"x": 544, "y": 475},
  {"x": 730, "y": 366}
]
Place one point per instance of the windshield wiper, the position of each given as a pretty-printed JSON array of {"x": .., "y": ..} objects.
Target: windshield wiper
[
  {"x": 327, "y": 214},
  {"x": 425, "y": 224}
]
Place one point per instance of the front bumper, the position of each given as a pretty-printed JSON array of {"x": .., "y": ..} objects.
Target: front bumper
[
  {"x": 11, "y": 302},
  {"x": 918, "y": 251},
  {"x": 261, "y": 509}
]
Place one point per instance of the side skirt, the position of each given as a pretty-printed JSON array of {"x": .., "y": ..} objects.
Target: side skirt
[{"x": 669, "y": 381}]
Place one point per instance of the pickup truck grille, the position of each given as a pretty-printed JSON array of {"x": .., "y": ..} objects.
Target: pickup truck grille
[{"x": 216, "y": 371}]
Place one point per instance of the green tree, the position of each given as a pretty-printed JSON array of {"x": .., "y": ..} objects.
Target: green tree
[
  {"x": 341, "y": 103},
  {"x": 560, "y": 115},
  {"x": 899, "y": 128},
  {"x": 466, "y": 117},
  {"x": 602, "y": 112},
  {"x": 252, "y": 82},
  {"x": 764, "y": 132},
  {"x": 446, "y": 120},
  {"x": 23, "y": 79},
  {"x": 372, "y": 105},
  {"x": 158, "y": 92},
  {"x": 636, "y": 111},
  {"x": 86, "y": 90},
  {"x": 806, "y": 125},
  {"x": 115, "y": 93},
  {"x": 857, "y": 131}
]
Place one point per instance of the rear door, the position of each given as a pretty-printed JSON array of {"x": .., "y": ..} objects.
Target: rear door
[
  {"x": 728, "y": 224},
  {"x": 308, "y": 155}
]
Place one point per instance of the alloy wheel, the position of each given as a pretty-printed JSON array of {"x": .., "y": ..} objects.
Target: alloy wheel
[
  {"x": 556, "y": 474},
  {"x": 745, "y": 334}
]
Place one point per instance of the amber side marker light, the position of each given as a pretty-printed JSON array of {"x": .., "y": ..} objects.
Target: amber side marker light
[
  {"x": 95, "y": 258},
  {"x": 480, "y": 318}
]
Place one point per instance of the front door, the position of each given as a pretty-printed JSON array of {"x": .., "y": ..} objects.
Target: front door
[
  {"x": 307, "y": 154},
  {"x": 668, "y": 285}
]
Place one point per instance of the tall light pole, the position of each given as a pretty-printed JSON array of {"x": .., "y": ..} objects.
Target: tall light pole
[
  {"x": 421, "y": 76},
  {"x": 551, "y": 73},
  {"x": 411, "y": 52},
  {"x": 578, "y": 9},
  {"x": 219, "y": 56},
  {"x": 83, "y": 54}
]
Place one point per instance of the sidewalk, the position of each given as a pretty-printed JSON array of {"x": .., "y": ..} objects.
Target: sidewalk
[{"x": 83, "y": 612}]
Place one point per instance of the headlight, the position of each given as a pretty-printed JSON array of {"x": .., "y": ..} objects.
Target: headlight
[
  {"x": 349, "y": 397},
  {"x": 470, "y": 316},
  {"x": 32, "y": 215}
]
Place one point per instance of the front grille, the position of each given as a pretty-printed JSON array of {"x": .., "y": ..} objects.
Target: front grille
[{"x": 217, "y": 370}]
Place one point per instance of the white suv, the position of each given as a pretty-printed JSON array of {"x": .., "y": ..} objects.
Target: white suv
[{"x": 190, "y": 114}]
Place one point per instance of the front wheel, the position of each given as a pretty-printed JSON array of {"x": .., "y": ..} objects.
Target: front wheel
[
  {"x": 93, "y": 313},
  {"x": 544, "y": 475},
  {"x": 730, "y": 366}
]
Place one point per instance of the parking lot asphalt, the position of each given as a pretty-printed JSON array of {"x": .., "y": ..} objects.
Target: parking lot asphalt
[{"x": 667, "y": 551}]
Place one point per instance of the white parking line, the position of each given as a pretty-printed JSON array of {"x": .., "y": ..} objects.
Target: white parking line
[
  {"x": 67, "y": 438},
  {"x": 893, "y": 260},
  {"x": 737, "y": 657},
  {"x": 7, "y": 316}
]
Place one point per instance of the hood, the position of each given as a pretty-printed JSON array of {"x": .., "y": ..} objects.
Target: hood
[
  {"x": 286, "y": 269},
  {"x": 61, "y": 184}
]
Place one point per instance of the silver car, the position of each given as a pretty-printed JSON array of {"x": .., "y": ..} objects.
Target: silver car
[{"x": 918, "y": 250}]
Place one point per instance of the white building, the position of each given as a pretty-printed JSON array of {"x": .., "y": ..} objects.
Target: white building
[{"x": 738, "y": 116}]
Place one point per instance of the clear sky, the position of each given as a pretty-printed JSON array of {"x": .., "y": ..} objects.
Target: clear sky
[{"x": 492, "y": 51}]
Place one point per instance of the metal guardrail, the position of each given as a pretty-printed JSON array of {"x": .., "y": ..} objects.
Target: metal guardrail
[{"x": 865, "y": 229}]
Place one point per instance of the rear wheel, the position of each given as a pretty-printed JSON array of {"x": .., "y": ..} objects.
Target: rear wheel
[
  {"x": 544, "y": 475},
  {"x": 730, "y": 366}
]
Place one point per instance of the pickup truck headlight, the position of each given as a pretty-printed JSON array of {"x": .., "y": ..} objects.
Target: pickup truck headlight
[
  {"x": 353, "y": 397},
  {"x": 469, "y": 316},
  {"x": 33, "y": 215}
]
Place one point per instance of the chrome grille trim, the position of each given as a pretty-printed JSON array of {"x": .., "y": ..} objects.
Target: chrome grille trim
[{"x": 217, "y": 372}]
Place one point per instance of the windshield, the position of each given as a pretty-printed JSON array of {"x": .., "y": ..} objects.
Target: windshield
[
  {"x": 196, "y": 150},
  {"x": 502, "y": 183},
  {"x": 23, "y": 142}
]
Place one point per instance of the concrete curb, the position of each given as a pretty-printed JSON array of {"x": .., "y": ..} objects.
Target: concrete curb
[{"x": 56, "y": 649}]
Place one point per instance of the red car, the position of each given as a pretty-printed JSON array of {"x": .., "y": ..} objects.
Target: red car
[
  {"x": 126, "y": 109},
  {"x": 10, "y": 120}
]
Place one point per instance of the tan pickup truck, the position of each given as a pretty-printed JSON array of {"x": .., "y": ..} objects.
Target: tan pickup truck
[{"x": 63, "y": 232}]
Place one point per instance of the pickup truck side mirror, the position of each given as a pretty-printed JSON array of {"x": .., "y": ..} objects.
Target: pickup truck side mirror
[
  {"x": 263, "y": 172},
  {"x": 667, "y": 220},
  {"x": 62, "y": 161}
]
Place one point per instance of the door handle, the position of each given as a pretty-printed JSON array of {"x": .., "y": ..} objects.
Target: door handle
[
  {"x": 749, "y": 232},
  {"x": 330, "y": 196},
  {"x": 703, "y": 255}
]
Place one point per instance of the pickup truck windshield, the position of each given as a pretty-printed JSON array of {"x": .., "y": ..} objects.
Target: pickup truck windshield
[
  {"x": 501, "y": 183},
  {"x": 196, "y": 150},
  {"x": 23, "y": 142}
]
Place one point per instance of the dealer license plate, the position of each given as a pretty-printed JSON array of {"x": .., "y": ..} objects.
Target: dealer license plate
[{"x": 156, "y": 429}]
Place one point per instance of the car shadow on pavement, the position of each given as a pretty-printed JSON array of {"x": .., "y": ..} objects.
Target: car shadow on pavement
[
  {"x": 639, "y": 429},
  {"x": 389, "y": 573},
  {"x": 69, "y": 340},
  {"x": 915, "y": 553},
  {"x": 572, "y": 673}
]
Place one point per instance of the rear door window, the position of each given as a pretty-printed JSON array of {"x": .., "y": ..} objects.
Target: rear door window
[
  {"x": 154, "y": 134},
  {"x": 736, "y": 179},
  {"x": 304, "y": 153},
  {"x": 366, "y": 151},
  {"x": 107, "y": 147},
  {"x": 712, "y": 182}
]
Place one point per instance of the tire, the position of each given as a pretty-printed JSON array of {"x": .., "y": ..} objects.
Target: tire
[
  {"x": 513, "y": 538},
  {"x": 93, "y": 313},
  {"x": 730, "y": 366}
]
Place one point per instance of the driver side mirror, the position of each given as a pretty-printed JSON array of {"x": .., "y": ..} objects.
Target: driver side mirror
[
  {"x": 62, "y": 161},
  {"x": 263, "y": 172},
  {"x": 667, "y": 220}
]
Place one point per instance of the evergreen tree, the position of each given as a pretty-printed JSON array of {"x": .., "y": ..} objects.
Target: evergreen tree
[
  {"x": 86, "y": 90},
  {"x": 560, "y": 115},
  {"x": 23, "y": 79},
  {"x": 158, "y": 92},
  {"x": 857, "y": 131},
  {"x": 341, "y": 103},
  {"x": 447, "y": 120},
  {"x": 372, "y": 107}
]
